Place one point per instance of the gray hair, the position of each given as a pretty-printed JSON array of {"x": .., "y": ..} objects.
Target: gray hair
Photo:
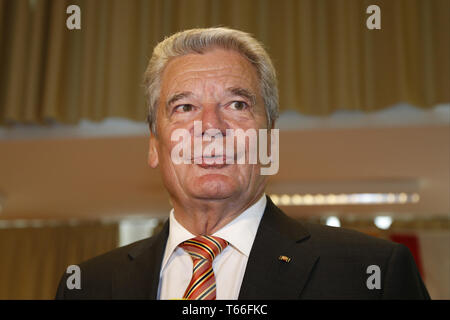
[{"x": 199, "y": 41}]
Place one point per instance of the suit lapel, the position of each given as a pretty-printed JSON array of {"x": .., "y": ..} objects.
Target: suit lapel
[
  {"x": 267, "y": 277},
  {"x": 140, "y": 279}
]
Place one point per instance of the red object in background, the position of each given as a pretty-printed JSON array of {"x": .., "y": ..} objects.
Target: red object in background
[{"x": 412, "y": 242}]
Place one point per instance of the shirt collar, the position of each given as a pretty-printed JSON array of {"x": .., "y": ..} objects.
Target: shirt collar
[{"x": 240, "y": 232}]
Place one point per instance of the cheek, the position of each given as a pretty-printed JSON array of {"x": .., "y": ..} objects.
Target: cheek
[
  {"x": 254, "y": 118},
  {"x": 244, "y": 174},
  {"x": 248, "y": 121},
  {"x": 168, "y": 168}
]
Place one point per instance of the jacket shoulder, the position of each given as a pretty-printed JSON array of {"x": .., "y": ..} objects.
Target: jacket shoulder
[
  {"x": 347, "y": 241},
  {"x": 115, "y": 257},
  {"x": 100, "y": 270},
  {"x": 348, "y": 258}
]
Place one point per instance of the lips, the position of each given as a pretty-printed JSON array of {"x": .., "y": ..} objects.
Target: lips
[{"x": 216, "y": 162}]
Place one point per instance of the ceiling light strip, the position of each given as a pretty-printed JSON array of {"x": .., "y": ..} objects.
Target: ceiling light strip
[{"x": 344, "y": 199}]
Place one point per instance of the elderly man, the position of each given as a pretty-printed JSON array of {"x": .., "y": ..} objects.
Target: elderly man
[{"x": 224, "y": 238}]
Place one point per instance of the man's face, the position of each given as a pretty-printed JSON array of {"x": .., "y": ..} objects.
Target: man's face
[{"x": 221, "y": 89}]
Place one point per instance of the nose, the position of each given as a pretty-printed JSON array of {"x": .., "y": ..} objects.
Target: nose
[{"x": 212, "y": 118}]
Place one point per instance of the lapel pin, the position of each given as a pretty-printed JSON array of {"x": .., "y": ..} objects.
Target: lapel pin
[{"x": 284, "y": 259}]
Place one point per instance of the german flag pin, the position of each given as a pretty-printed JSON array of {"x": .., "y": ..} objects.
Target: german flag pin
[{"x": 284, "y": 259}]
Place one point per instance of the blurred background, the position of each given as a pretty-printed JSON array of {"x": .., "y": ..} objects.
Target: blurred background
[{"x": 364, "y": 126}]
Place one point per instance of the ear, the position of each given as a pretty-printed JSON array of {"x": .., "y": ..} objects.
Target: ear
[{"x": 153, "y": 159}]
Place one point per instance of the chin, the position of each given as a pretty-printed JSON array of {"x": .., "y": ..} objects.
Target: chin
[{"x": 213, "y": 186}]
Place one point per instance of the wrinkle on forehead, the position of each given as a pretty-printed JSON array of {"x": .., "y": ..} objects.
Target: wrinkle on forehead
[{"x": 209, "y": 73}]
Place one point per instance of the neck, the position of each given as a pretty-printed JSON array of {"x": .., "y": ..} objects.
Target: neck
[{"x": 205, "y": 217}]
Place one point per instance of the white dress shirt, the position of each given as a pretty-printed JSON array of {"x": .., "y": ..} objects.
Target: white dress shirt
[{"x": 229, "y": 266}]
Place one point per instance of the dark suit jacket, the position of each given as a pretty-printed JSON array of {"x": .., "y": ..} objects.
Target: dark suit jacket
[{"x": 325, "y": 263}]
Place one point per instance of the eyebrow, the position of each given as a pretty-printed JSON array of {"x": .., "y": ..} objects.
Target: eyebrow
[
  {"x": 178, "y": 96},
  {"x": 237, "y": 91}
]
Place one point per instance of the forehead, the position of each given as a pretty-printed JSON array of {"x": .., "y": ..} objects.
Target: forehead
[{"x": 213, "y": 70}]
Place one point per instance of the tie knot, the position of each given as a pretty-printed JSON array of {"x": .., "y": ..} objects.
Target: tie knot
[{"x": 204, "y": 247}]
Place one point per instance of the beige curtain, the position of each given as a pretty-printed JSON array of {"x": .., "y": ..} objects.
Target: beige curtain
[
  {"x": 325, "y": 56},
  {"x": 32, "y": 260}
]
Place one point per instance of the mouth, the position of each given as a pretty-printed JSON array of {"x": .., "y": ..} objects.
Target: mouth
[{"x": 212, "y": 162}]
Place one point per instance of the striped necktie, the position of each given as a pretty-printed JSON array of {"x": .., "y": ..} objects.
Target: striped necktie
[{"x": 203, "y": 250}]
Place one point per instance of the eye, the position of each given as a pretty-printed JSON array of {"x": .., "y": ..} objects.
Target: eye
[
  {"x": 183, "y": 108},
  {"x": 238, "y": 105}
]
